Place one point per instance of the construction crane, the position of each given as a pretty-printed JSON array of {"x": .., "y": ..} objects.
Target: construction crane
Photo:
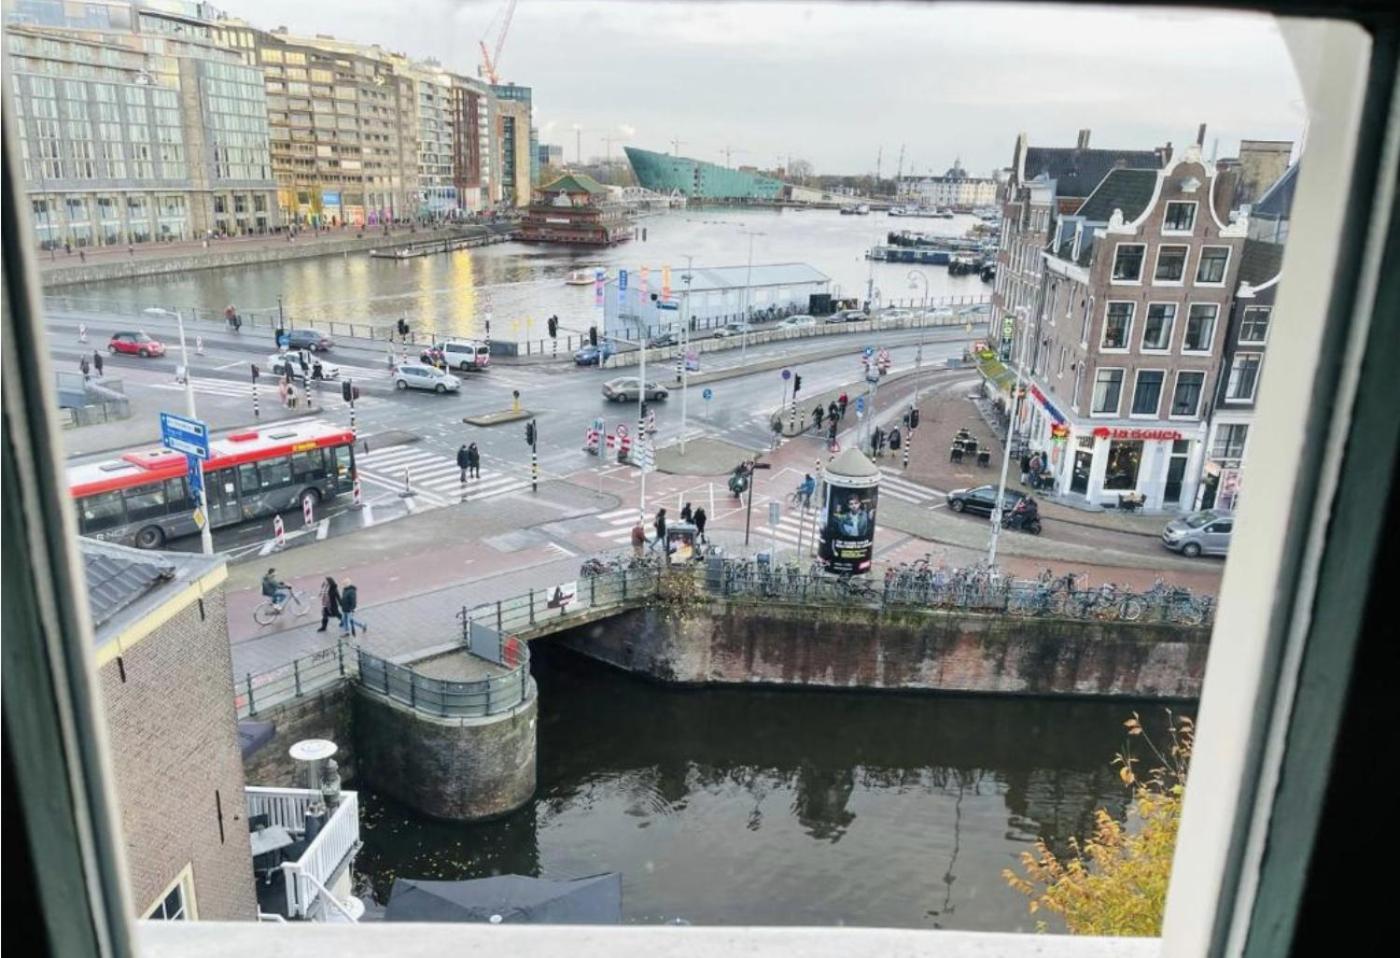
[
  {"x": 729, "y": 151},
  {"x": 676, "y": 145},
  {"x": 491, "y": 62}
]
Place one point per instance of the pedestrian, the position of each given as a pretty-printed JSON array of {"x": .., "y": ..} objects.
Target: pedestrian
[
  {"x": 473, "y": 462},
  {"x": 68, "y": 247},
  {"x": 97, "y": 362},
  {"x": 349, "y": 601},
  {"x": 877, "y": 442},
  {"x": 686, "y": 515},
  {"x": 700, "y": 518},
  {"x": 841, "y": 401},
  {"x": 317, "y": 371},
  {"x": 894, "y": 439},
  {"x": 833, "y": 412},
  {"x": 464, "y": 462},
  {"x": 1025, "y": 467},
  {"x": 818, "y": 414},
  {"x": 82, "y": 256},
  {"x": 659, "y": 523},
  {"x": 831, "y": 433},
  {"x": 277, "y": 335},
  {"x": 330, "y": 602},
  {"x": 83, "y": 365},
  {"x": 639, "y": 539}
]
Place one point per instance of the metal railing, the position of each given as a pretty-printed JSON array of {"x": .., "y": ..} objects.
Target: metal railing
[
  {"x": 444, "y": 699},
  {"x": 334, "y": 843},
  {"x": 262, "y": 690},
  {"x": 532, "y": 610}
]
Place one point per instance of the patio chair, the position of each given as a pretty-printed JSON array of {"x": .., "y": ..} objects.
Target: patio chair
[
  {"x": 984, "y": 459},
  {"x": 956, "y": 455}
]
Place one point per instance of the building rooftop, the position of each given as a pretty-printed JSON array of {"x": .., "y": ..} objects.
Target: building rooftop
[
  {"x": 1260, "y": 262},
  {"x": 124, "y": 585},
  {"x": 705, "y": 278},
  {"x": 1077, "y": 172},
  {"x": 1277, "y": 201},
  {"x": 1129, "y": 190},
  {"x": 574, "y": 183}
]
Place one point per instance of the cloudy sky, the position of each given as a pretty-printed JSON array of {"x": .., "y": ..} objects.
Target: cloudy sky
[{"x": 834, "y": 83}]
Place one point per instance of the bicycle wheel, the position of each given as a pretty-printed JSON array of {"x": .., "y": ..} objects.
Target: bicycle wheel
[
  {"x": 1132, "y": 609},
  {"x": 265, "y": 613},
  {"x": 300, "y": 599}
]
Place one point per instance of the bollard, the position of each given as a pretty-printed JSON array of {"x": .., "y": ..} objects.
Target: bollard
[
  {"x": 357, "y": 497},
  {"x": 82, "y": 332},
  {"x": 407, "y": 484},
  {"x": 279, "y": 534},
  {"x": 256, "y": 414},
  {"x": 308, "y": 511},
  {"x": 199, "y": 345}
]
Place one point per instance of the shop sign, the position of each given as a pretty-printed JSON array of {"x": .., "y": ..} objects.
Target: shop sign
[
  {"x": 1148, "y": 435},
  {"x": 1047, "y": 405},
  {"x": 1059, "y": 432}
]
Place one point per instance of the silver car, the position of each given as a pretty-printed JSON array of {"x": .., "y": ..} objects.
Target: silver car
[
  {"x": 1201, "y": 533},
  {"x": 420, "y": 376}
]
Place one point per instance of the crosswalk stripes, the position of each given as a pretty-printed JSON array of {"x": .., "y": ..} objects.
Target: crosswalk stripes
[
  {"x": 892, "y": 484},
  {"x": 328, "y": 395},
  {"x": 433, "y": 474},
  {"x": 620, "y": 522}
]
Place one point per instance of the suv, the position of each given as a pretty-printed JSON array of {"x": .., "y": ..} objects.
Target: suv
[
  {"x": 466, "y": 355},
  {"x": 981, "y": 499},
  {"x": 137, "y": 343},
  {"x": 419, "y": 376},
  {"x": 1201, "y": 533}
]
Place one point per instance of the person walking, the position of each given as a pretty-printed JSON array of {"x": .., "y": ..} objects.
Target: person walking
[
  {"x": 330, "y": 602},
  {"x": 1025, "y": 467},
  {"x": 97, "y": 362},
  {"x": 639, "y": 539},
  {"x": 818, "y": 414},
  {"x": 700, "y": 519},
  {"x": 464, "y": 462},
  {"x": 349, "y": 602},
  {"x": 659, "y": 523},
  {"x": 833, "y": 412},
  {"x": 83, "y": 365},
  {"x": 473, "y": 462},
  {"x": 877, "y": 442},
  {"x": 895, "y": 439},
  {"x": 841, "y": 401},
  {"x": 686, "y": 515}
]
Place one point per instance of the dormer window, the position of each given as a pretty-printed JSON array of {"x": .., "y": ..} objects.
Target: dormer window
[{"x": 1180, "y": 217}]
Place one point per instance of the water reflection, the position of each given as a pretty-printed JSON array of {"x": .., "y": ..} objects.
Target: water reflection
[{"x": 745, "y": 806}]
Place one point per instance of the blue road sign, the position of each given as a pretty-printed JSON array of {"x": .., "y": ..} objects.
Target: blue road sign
[
  {"x": 622, "y": 280},
  {"x": 869, "y": 351},
  {"x": 196, "y": 481},
  {"x": 189, "y": 436},
  {"x": 787, "y": 373},
  {"x": 664, "y": 304},
  {"x": 708, "y": 394},
  {"x": 284, "y": 340},
  {"x": 860, "y": 404}
]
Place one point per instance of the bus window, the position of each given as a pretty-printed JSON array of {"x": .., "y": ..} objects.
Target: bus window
[
  {"x": 309, "y": 466},
  {"x": 176, "y": 496},
  {"x": 248, "y": 478},
  {"x": 102, "y": 511},
  {"x": 145, "y": 502},
  {"x": 275, "y": 473},
  {"x": 344, "y": 461}
]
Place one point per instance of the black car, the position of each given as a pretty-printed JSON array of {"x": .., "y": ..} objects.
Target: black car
[
  {"x": 308, "y": 339},
  {"x": 980, "y": 500}
]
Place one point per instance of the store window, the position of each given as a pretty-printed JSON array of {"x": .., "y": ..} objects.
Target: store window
[{"x": 1124, "y": 457}]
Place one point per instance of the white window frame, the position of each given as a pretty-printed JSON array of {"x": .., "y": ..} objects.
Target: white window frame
[
  {"x": 1268, "y": 325},
  {"x": 1094, "y": 387},
  {"x": 184, "y": 881},
  {"x": 1214, "y": 330},
  {"x": 1185, "y": 264},
  {"x": 1200, "y": 396},
  {"x": 1230, "y": 376},
  {"x": 1201, "y": 258},
  {"x": 1088, "y": 308},
  {"x": 1113, "y": 265},
  {"x": 1060, "y": 370},
  {"x": 1195, "y": 212},
  {"x": 1078, "y": 365},
  {"x": 1127, "y": 333},
  {"x": 1132, "y": 400},
  {"x": 1171, "y": 328}
]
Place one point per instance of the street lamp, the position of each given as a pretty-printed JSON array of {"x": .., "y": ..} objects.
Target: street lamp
[
  {"x": 748, "y": 304},
  {"x": 1006, "y": 452},
  {"x": 685, "y": 346},
  {"x": 206, "y": 537},
  {"x": 915, "y": 277}
]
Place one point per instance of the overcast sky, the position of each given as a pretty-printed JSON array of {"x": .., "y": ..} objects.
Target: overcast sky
[{"x": 834, "y": 82}]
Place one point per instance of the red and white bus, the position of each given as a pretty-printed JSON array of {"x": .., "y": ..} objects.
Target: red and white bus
[{"x": 142, "y": 498}]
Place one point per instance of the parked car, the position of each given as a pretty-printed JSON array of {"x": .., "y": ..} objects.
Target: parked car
[
  {"x": 733, "y": 329},
  {"x": 308, "y": 339},
  {"x": 853, "y": 315},
  {"x": 627, "y": 388},
  {"x": 1201, "y": 533},
  {"x": 279, "y": 363},
  {"x": 660, "y": 340},
  {"x": 466, "y": 355},
  {"x": 593, "y": 355},
  {"x": 136, "y": 343},
  {"x": 798, "y": 322},
  {"x": 979, "y": 500},
  {"x": 420, "y": 376}
]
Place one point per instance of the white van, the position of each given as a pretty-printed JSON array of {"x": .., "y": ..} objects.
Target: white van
[{"x": 466, "y": 355}]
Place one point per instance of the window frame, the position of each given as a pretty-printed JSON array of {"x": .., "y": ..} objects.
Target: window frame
[
  {"x": 1094, "y": 388},
  {"x": 1224, "y": 270},
  {"x": 1245, "y": 322},
  {"x": 1161, "y": 391},
  {"x": 1195, "y": 212},
  {"x": 1230, "y": 376},
  {"x": 1195, "y": 414},
  {"x": 1171, "y": 328},
  {"x": 1118, "y": 248},
  {"x": 1185, "y": 264},
  {"x": 1214, "y": 329},
  {"x": 1127, "y": 330}
]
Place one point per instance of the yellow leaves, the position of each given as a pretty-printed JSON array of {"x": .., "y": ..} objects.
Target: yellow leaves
[{"x": 1126, "y": 774}]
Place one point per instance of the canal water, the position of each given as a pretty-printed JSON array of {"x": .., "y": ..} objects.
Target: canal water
[
  {"x": 451, "y": 292},
  {"x": 744, "y": 806}
]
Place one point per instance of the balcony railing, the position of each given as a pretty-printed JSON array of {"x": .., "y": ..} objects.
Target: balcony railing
[{"x": 316, "y": 867}]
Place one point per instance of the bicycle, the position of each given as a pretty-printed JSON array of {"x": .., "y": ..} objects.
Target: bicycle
[{"x": 269, "y": 610}]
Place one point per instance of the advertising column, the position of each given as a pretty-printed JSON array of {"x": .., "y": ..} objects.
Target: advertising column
[{"x": 849, "y": 498}]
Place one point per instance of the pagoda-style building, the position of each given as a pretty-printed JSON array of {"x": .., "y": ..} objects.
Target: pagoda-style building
[{"x": 575, "y": 209}]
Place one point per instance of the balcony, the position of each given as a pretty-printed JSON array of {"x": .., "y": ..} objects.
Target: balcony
[{"x": 300, "y": 888}]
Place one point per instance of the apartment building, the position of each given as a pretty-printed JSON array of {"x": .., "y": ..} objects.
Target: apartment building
[
  {"x": 1122, "y": 346},
  {"x": 513, "y": 143},
  {"x": 136, "y": 128}
]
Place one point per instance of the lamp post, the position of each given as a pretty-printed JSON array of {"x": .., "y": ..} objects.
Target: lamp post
[
  {"x": 206, "y": 538},
  {"x": 1006, "y": 453},
  {"x": 748, "y": 304},
  {"x": 915, "y": 277},
  {"x": 685, "y": 346}
]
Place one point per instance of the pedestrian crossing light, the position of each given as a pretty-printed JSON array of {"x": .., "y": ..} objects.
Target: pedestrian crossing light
[
  {"x": 593, "y": 335},
  {"x": 796, "y": 383},
  {"x": 530, "y": 433},
  {"x": 914, "y": 418},
  {"x": 345, "y": 390}
]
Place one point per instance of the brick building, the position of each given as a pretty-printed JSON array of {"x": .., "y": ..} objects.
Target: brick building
[
  {"x": 165, "y": 675},
  {"x": 1122, "y": 344}
]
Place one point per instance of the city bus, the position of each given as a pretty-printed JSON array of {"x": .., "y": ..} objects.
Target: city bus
[{"x": 141, "y": 497}]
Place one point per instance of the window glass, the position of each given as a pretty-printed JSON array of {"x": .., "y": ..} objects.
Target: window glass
[
  {"x": 177, "y": 496},
  {"x": 1124, "y": 457},
  {"x": 1180, "y": 217},
  {"x": 1127, "y": 262},
  {"x": 1157, "y": 329},
  {"x": 248, "y": 478},
  {"x": 1108, "y": 384},
  {"x": 1200, "y": 328},
  {"x": 308, "y": 466},
  {"x": 1116, "y": 325},
  {"x": 1224, "y": 526},
  {"x": 1254, "y": 328},
  {"x": 1229, "y": 440},
  {"x": 1148, "y": 392},
  {"x": 1244, "y": 375},
  {"x": 275, "y": 473},
  {"x": 1171, "y": 264},
  {"x": 1186, "y": 398},
  {"x": 1213, "y": 262},
  {"x": 102, "y": 511},
  {"x": 145, "y": 502}
]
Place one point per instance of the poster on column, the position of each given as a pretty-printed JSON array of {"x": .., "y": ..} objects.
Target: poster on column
[
  {"x": 848, "y": 527},
  {"x": 598, "y": 288}
]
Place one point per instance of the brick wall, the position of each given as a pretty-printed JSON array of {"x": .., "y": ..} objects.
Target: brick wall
[
  {"x": 324, "y": 714},
  {"x": 173, "y": 739}
]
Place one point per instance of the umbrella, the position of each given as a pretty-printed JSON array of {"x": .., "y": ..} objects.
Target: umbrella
[{"x": 594, "y": 900}]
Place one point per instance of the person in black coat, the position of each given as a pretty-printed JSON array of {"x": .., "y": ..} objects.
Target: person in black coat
[
  {"x": 330, "y": 602},
  {"x": 699, "y": 518}
]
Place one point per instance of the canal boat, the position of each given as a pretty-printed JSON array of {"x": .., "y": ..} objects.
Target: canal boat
[{"x": 582, "y": 277}]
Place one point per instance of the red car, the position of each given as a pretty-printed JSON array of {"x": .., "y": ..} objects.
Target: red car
[{"x": 137, "y": 343}]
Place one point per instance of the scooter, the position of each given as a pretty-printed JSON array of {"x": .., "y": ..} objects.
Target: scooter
[{"x": 1030, "y": 524}]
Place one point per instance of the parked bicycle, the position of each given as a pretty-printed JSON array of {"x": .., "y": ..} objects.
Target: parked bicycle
[{"x": 269, "y": 609}]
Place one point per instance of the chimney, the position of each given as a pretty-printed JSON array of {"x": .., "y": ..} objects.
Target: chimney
[
  {"x": 1201, "y": 136},
  {"x": 1083, "y": 143}
]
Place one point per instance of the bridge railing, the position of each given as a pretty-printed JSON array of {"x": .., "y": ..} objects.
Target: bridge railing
[
  {"x": 443, "y": 698},
  {"x": 539, "y": 608}
]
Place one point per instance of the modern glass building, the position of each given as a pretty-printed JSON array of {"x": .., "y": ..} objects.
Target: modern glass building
[{"x": 695, "y": 178}]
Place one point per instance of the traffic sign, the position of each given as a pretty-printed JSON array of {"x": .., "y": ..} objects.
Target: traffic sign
[
  {"x": 869, "y": 351},
  {"x": 189, "y": 436},
  {"x": 787, "y": 373},
  {"x": 671, "y": 305},
  {"x": 195, "y": 477},
  {"x": 708, "y": 394},
  {"x": 860, "y": 405},
  {"x": 775, "y": 512},
  {"x": 622, "y": 429}
]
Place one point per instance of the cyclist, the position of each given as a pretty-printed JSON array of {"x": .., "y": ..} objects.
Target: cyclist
[
  {"x": 275, "y": 589},
  {"x": 805, "y": 488}
]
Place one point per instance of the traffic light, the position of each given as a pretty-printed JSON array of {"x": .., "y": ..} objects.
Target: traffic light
[
  {"x": 256, "y": 371},
  {"x": 530, "y": 433},
  {"x": 796, "y": 383},
  {"x": 553, "y": 325},
  {"x": 914, "y": 418},
  {"x": 346, "y": 392},
  {"x": 593, "y": 335},
  {"x": 907, "y": 420}
]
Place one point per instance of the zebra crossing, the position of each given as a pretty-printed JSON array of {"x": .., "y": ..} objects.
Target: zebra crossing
[
  {"x": 619, "y": 523},
  {"x": 893, "y": 484},
  {"x": 434, "y": 478},
  {"x": 793, "y": 526},
  {"x": 327, "y": 396}
]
